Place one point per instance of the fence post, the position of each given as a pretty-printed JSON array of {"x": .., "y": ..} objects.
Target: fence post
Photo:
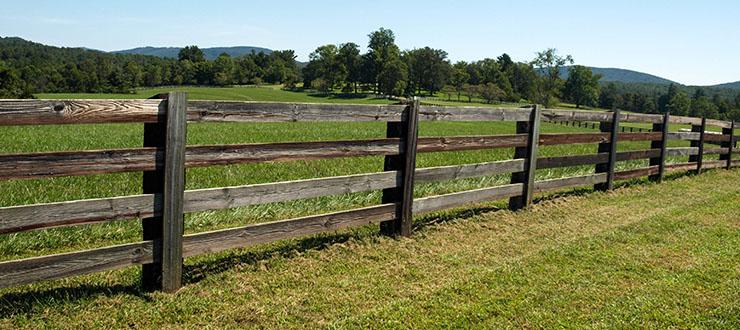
[
  {"x": 728, "y": 144},
  {"x": 662, "y": 144},
  {"x": 405, "y": 162},
  {"x": 611, "y": 148},
  {"x": 173, "y": 217},
  {"x": 529, "y": 153},
  {"x": 699, "y": 157},
  {"x": 167, "y": 183}
]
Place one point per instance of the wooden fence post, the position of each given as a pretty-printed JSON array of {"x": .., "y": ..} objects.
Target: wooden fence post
[
  {"x": 167, "y": 183},
  {"x": 728, "y": 144},
  {"x": 403, "y": 194},
  {"x": 529, "y": 153},
  {"x": 611, "y": 148},
  {"x": 173, "y": 217},
  {"x": 699, "y": 157},
  {"x": 662, "y": 144}
]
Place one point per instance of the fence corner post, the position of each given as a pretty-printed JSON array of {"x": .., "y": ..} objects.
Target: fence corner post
[
  {"x": 407, "y": 130},
  {"x": 529, "y": 153},
  {"x": 611, "y": 148},
  {"x": 662, "y": 144},
  {"x": 165, "y": 228},
  {"x": 699, "y": 157},
  {"x": 729, "y": 144}
]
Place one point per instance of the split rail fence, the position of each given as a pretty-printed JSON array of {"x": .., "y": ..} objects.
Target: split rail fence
[{"x": 165, "y": 156}]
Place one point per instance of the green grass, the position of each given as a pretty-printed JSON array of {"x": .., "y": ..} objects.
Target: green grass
[
  {"x": 69, "y": 299},
  {"x": 251, "y": 93},
  {"x": 601, "y": 260},
  {"x": 87, "y": 137}
]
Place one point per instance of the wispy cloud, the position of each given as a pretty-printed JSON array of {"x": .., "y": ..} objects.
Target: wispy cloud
[{"x": 57, "y": 20}]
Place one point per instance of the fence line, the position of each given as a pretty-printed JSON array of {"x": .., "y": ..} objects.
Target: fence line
[{"x": 164, "y": 158}]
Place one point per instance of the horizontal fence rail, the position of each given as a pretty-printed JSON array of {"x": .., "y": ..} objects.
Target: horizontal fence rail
[{"x": 164, "y": 158}]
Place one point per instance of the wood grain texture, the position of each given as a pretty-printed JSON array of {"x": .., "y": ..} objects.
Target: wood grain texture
[
  {"x": 173, "y": 217},
  {"x": 243, "y": 111},
  {"x": 729, "y": 144},
  {"x": 405, "y": 214},
  {"x": 220, "y": 240},
  {"x": 35, "y": 112},
  {"x": 576, "y": 160},
  {"x": 435, "y": 203},
  {"x": 56, "y": 112},
  {"x": 31, "y": 270},
  {"x": 682, "y": 151},
  {"x": 28, "y": 217},
  {"x": 661, "y": 144},
  {"x": 611, "y": 150},
  {"x": 529, "y": 154},
  {"x": 433, "y": 112},
  {"x": 636, "y": 173},
  {"x": 687, "y": 136},
  {"x": 56, "y": 164},
  {"x": 577, "y": 181}
]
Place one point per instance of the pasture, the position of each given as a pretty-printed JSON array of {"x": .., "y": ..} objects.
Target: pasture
[{"x": 242, "y": 279}]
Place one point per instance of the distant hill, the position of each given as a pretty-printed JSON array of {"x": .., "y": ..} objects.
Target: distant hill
[
  {"x": 732, "y": 85},
  {"x": 210, "y": 53},
  {"x": 623, "y": 76}
]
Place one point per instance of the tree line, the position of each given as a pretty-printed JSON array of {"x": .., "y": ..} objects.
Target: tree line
[
  {"x": 27, "y": 67},
  {"x": 384, "y": 69}
]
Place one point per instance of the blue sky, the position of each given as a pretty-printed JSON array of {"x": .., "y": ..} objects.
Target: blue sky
[{"x": 692, "y": 42}]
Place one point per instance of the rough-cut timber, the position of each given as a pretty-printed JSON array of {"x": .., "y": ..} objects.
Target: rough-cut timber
[
  {"x": 699, "y": 145},
  {"x": 405, "y": 214},
  {"x": 31, "y": 270},
  {"x": 27, "y": 217},
  {"x": 55, "y": 164},
  {"x": 155, "y": 140},
  {"x": 636, "y": 173},
  {"x": 242, "y": 111},
  {"x": 220, "y": 240},
  {"x": 529, "y": 154},
  {"x": 611, "y": 150},
  {"x": 433, "y": 112},
  {"x": 682, "y": 151},
  {"x": 47, "y": 112},
  {"x": 576, "y": 181},
  {"x": 71, "y": 163},
  {"x": 402, "y": 194},
  {"x": 662, "y": 144},
  {"x": 173, "y": 217},
  {"x": 729, "y": 144},
  {"x": 435, "y": 203}
]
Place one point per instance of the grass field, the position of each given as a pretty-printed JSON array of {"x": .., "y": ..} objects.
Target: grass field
[
  {"x": 614, "y": 260},
  {"x": 118, "y": 288}
]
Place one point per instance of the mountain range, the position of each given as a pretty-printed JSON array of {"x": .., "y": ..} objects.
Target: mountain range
[{"x": 210, "y": 53}]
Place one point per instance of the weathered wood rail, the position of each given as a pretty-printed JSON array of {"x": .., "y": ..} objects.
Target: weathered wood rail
[{"x": 164, "y": 158}]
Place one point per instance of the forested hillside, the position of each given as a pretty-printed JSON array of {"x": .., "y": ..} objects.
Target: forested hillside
[
  {"x": 35, "y": 68},
  {"x": 27, "y": 68},
  {"x": 210, "y": 53}
]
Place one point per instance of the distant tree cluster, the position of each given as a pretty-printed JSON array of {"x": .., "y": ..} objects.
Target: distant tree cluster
[
  {"x": 675, "y": 100},
  {"x": 27, "y": 67},
  {"x": 384, "y": 69}
]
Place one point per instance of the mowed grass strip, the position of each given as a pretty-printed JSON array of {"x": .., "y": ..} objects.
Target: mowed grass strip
[{"x": 647, "y": 256}]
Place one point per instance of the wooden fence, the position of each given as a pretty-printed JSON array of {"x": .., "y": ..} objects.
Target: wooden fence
[{"x": 165, "y": 156}]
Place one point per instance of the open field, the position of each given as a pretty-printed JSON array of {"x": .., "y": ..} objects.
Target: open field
[
  {"x": 597, "y": 260},
  {"x": 122, "y": 284},
  {"x": 246, "y": 93}
]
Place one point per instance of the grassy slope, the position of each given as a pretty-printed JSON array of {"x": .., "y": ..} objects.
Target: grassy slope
[
  {"x": 599, "y": 260},
  {"x": 261, "y": 93}
]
